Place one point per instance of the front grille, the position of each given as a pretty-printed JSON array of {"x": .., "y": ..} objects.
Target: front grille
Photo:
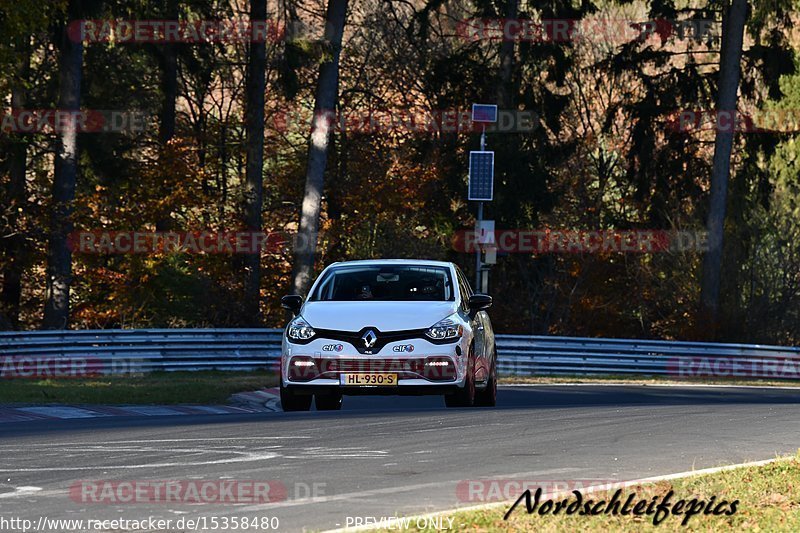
[
  {"x": 370, "y": 365},
  {"x": 382, "y": 338},
  {"x": 413, "y": 368}
]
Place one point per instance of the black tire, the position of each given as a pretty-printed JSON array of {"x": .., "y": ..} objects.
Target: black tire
[
  {"x": 328, "y": 402},
  {"x": 295, "y": 402},
  {"x": 488, "y": 396},
  {"x": 464, "y": 397}
]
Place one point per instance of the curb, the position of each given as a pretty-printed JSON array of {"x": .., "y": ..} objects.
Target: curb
[
  {"x": 71, "y": 412},
  {"x": 263, "y": 400},
  {"x": 260, "y": 401}
]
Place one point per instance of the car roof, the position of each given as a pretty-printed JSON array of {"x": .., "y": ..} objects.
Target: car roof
[{"x": 416, "y": 262}]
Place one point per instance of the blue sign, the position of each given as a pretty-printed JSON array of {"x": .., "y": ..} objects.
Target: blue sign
[
  {"x": 484, "y": 113},
  {"x": 481, "y": 176}
]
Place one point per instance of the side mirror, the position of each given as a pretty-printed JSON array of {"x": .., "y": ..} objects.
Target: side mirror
[
  {"x": 479, "y": 302},
  {"x": 292, "y": 302}
]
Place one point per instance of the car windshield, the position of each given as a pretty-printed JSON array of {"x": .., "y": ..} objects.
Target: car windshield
[{"x": 385, "y": 283}]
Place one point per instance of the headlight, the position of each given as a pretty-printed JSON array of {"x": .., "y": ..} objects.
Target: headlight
[
  {"x": 299, "y": 330},
  {"x": 446, "y": 329}
]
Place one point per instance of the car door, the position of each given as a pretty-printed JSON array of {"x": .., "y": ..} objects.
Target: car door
[
  {"x": 489, "y": 340},
  {"x": 484, "y": 336},
  {"x": 478, "y": 329}
]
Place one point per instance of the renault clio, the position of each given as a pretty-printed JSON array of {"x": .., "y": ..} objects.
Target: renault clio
[{"x": 388, "y": 327}]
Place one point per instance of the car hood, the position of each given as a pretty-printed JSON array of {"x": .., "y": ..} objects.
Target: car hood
[{"x": 385, "y": 316}]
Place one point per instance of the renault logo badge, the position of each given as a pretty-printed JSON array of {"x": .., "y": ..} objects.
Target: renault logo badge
[{"x": 369, "y": 338}]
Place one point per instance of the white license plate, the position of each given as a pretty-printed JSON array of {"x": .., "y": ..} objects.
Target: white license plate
[{"x": 368, "y": 380}]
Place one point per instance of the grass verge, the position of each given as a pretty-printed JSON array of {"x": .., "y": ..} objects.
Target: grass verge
[
  {"x": 216, "y": 387},
  {"x": 769, "y": 500},
  {"x": 204, "y": 387}
]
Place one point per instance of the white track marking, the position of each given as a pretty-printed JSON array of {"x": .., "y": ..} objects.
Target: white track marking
[
  {"x": 239, "y": 457},
  {"x": 144, "y": 441},
  {"x": 231, "y": 454},
  {"x": 387, "y": 490},
  {"x": 21, "y": 491}
]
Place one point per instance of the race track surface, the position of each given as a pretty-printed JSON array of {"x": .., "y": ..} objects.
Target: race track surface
[{"x": 382, "y": 456}]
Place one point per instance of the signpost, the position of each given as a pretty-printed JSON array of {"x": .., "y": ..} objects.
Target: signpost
[
  {"x": 489, "y": 247},
  {"x": 481, "y": 177}
]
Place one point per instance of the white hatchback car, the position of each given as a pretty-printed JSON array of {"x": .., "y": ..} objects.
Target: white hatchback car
[{"x": 388, "y": 327}]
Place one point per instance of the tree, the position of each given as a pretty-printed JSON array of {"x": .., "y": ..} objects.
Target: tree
[
  {"x": 14, "y": 245},
  {"x": 506, "y": 61},
  {"x": 169, "y": 89},
  {"x": 19, "y": 26},
  {"x": 59, "y": 255},
  {"x": 324, "y": 107},
  {"x": 169, "y": 81},
  {"x": 254, "y": 180},
  {"x": 733, "y": 22}
]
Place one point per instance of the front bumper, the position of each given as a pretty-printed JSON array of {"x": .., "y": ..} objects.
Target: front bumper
[
  {"x": 406, "y": 389},
  {"x": 326, "y": 360}
]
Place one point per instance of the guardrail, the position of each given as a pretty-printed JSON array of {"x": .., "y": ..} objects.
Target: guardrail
[
  {"x": 522, "y": 355},
  {"x": 145, "y": 350},
  {"x": 137, "y": 350}
]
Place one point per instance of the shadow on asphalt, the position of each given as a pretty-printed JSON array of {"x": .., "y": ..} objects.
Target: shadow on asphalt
[
  {"x": 509, "y": 398},
  {"x": 546, "y": 397}
]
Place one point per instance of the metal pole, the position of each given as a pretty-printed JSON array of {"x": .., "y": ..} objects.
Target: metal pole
[{"x": 478, "y": 263}]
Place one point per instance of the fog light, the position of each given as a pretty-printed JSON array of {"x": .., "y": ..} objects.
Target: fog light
[
  {"x": 303, "y": 368},
  {"x": 440, "y": 369}
]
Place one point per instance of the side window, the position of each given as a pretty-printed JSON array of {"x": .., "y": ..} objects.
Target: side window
[
  {"x": 464, "y": 289},
  {"x": 467, "y": 287}
]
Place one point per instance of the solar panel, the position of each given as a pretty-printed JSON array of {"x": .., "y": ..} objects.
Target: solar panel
[
  {"x": 484, "y": 113},
  {"x": 481, "y": 175}
]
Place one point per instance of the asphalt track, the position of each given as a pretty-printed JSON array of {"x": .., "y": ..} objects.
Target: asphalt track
[{"x": 382, "y": 456}]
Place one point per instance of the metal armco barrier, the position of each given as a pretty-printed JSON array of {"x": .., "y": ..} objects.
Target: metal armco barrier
[
  {"x": 522, "y": 355},
  {"x": 137, "y": 350},
  {"x": 35, "y": 353}
]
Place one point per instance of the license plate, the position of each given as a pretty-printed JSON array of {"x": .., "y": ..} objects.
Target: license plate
[{"x": 367, "y": 380}]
